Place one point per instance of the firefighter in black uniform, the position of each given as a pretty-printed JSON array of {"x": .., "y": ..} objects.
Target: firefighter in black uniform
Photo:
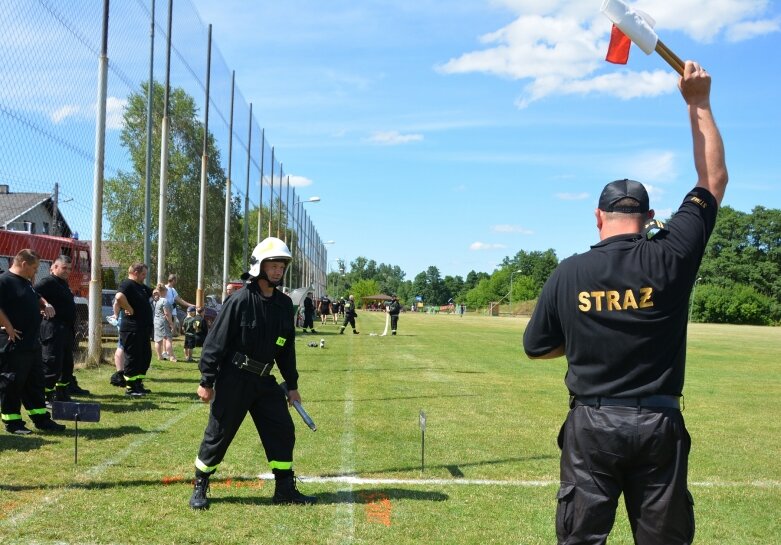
[
  {"x": 133, "y": 296},
  {"x": 619, "y": 314},
  {"x": 394, "y": 308},
  {"x": 309, "y": 313},
  {"x": 254, "y": 330},
  {"x": 20, "y": 347},
  {"x": 349, "y": 315},
  {"x": 57, "y": 332}
]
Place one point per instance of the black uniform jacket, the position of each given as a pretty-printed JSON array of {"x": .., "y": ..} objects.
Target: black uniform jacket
[
  {"x": 262, "y": 329},
  {"x": 394, "y": 308},
  {"x": 621, "y": 309},
  {"x": 57, "y": 292}
]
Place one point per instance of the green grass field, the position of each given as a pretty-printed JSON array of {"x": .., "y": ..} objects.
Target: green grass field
[{"x": 491, "y": 461}]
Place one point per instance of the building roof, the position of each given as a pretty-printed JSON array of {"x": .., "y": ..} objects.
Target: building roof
[{"x": 15, "y": 205}]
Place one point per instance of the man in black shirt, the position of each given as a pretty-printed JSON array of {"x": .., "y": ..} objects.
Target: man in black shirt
[
  {"x": 57, "y": 332},
  {"x": 394, "y": 309},
  {"x": 20, "y": 347},
  {"x": 253, "y": 331},
  {"x": 619, "y": 314},
  {"x": 136, "y": 327}
]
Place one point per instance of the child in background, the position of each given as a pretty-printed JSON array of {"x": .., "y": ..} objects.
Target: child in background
[{"x": 190, "y": 327}]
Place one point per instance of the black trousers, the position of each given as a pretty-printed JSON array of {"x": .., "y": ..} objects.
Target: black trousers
[
  {"x": 138, "y": 353},
  {"x": 394, "y": 322},
  {"x": 349, "y": 319},
  {"x": 309, "y": 320},
  {"x": 236, "y": 393},
  {"x": 56, "y": 352},
  {"x": 641, "y": 452},
  {"x": 22, "y": 373}
]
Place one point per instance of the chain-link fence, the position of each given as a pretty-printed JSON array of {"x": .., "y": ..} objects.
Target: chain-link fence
[{"x": 49, "y": 54}]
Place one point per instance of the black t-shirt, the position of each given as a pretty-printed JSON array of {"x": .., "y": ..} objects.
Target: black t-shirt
[
  {"x": 57, "y": 292},
  {"x": 21, "y": 304},
  {"x": 621, "y": 309},
  {"x": 137, "y": 296}
]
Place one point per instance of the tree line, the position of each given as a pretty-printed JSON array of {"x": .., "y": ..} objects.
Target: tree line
[{"x": 739, "y": 280}]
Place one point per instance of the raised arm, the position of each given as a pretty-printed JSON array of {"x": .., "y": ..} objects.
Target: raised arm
[{"x": 709, "y": 158}]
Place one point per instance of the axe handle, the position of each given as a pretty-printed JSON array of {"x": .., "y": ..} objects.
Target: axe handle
[{"x": 671, "y": 58}]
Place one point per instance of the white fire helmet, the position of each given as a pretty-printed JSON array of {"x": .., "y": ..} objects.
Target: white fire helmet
[{"x": 269, "y": 248}]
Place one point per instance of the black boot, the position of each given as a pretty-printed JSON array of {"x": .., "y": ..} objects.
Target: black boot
[
  {"x": 199, "y": 500},
  {"x": 286, "y": 491},
  {"x": 134, "y": 389},
  {"x": 118, "y": 379},
  {"x": 76, "y": 390},
  {"x": 61, "y": 393},
  {"x": 47, "y": 424}
]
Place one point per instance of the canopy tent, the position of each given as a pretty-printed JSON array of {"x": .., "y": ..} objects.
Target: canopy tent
[{"x": 378, "y": 297}]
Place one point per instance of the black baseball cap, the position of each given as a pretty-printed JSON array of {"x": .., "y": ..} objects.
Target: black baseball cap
[{"x": 624, "y": 189}]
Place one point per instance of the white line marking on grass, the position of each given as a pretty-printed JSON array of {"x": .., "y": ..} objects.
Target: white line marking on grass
[
  {"x": 97, "y": 470},
  {"x": 344, "y": 521},
  {"x": 353, "y": 480}
]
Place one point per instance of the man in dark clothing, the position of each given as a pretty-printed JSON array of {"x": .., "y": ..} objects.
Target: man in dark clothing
[
  {"x": 394, "y": 308},
  {"x": 309, "y": 313},
  {"x": 136, "y": 327},
  {"x": 253, "y": 331},
  {"x": 201, "y": 326},
  {"x": 619, "y": 314},
  {"x": 57, "y": 332},
  {"x": 349, "y": 315},
  {"x": 20, "y": 360}
]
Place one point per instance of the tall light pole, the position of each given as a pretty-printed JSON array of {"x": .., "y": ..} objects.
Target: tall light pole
[
  {"x": 691, "y": 301},
  {"x": 511, "y": 290}
]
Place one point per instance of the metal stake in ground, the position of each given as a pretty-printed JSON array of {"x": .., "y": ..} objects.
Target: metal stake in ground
[
  {"x": 422, "y": 441},
  {"x": 84, "y": 412}
]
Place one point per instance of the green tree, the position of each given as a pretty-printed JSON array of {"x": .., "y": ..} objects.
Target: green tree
[
  {"x": 430, "y": 286},
  {"x": 362, "y": 288},
  {"x": 124, "y": 193}
]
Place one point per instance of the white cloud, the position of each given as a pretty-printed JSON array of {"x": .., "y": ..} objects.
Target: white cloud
[
  {"x": 572, "y": 196},
  {"x": 299, "y": 181},
  {"x": 394, "y": 138},
  {"x": 558, "y": 46},
  {"x": 115, "y": 109},
  {"x": 750, "y": 29},
  {"x": 477, "y": 246},
  {"x": 650, "y": 166},
  {"x": 63, "y": 113},
  {"x": 506, "y": 228}
]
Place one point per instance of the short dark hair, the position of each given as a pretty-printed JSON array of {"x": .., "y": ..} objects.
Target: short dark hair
[
  {"x": 28, "y": 256},
  {"x": 137, "y": 268},
  {"x": 64, "y": 259}
]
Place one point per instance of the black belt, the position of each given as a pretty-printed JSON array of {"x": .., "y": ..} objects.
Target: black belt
[
  {"x": 657, "y": 401},
  {"x": 242, "y": 361}
]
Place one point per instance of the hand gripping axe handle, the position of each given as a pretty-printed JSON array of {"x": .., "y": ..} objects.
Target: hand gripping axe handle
[{"x": 300, "y": 409}]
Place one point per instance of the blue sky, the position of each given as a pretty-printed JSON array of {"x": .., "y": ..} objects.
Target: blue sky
[
  {"x": 457, "y": 133},
  {"x": 437, "y": 133}
]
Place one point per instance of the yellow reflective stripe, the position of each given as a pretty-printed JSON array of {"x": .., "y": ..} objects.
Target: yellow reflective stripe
[
  {"x": 203, "y": 467},
  {"x": 36, "y": 411},
  {"x": 136, "y": 377},
  {"x": 10, "y": 417},
  {"x": 62, "y": 384},
  {"x": 48, "y": 390},
  {"x": 273, "y": 464}
]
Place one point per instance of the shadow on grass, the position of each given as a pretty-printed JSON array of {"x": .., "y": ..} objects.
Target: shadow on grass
[
  {"x": 453, "y": 469},
  {"x": 363, "y": 496},
  {"x": 397, "y": 398},
  {"x": 10, "y": 442}
]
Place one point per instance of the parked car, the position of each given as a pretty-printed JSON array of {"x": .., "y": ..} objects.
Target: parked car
[{"x": 106, "y": 310}]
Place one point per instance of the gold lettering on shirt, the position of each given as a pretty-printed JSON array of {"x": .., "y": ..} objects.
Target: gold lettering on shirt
[
  {"x": 598, "y": 295},
  {"x": 615, "y": 300},
  {"x": 612, "y": 300},
  {"x": 645, "y": 297}
]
